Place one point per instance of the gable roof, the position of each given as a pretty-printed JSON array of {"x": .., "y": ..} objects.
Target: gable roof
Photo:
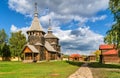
[
  {"x": 110, "y": 52},
  {"x": 106, "y": 47},
  {"x": 32, "y": 48},
  {"x": 50, "y": 35},
  {"x": 49, "y": 47},
  {"x": 38, "y": 44},
  {"x": 75, "y": 55},
  {"x": 53, "y": 43}
]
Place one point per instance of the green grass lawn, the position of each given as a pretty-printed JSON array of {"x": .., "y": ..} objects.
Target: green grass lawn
[
  {"x": 57, "y": 69},
  {"x": 105, "y": 70}
]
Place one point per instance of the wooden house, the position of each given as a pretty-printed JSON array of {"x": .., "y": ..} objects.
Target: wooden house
[
  {"x": 109, "y": 54},
  {"x": 92, "y": 57},
  {"x": 75, "y": 57}
]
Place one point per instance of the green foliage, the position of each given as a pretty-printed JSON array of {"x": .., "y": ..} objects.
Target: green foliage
[
  {"x": 3, "y": 39},
  {"x": 105, "y": 70},
  {"x": 65, "y": 56},
  {"x": 119, "y": 53},
  {"x": 3, "y": 36},
  {"x": 113, "y": 35},
  {"x": 4, "y": 47},
  {"x": 57, "y": 69},
  {"x": 97, "y": 53},
  {"x": 6, "y": 54},
  {"x": 17, "y": 41},
  {"x": 99, "y": 65},
  {"x": 75, "y": 63},
  {"x": 114, "y": 6}
]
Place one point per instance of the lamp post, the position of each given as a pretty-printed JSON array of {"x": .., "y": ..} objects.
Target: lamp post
[
  {"x": 101, "y": 57},
  {"x": 0, "y": 41},
  {"x": 0, "y": 45}
]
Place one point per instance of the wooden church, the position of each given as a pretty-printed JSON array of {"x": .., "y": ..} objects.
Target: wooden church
[{"x": 40, "y": 46}]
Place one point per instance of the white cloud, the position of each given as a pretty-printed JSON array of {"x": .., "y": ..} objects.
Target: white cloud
[
  {"x": 61, "y": 11},
  {"x": 94, "y": 19},
  {"x": 16, "y": 29},
  {"x": 81, "y": 40},
  {"x": 13, "y": 28},
  {"x": 21, "y": 6},
  {"x": 109, "y": 25},
  {"x": 62, "y": 7}
]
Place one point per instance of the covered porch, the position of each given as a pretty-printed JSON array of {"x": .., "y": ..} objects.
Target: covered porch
[{"x": 30, "y": 54}]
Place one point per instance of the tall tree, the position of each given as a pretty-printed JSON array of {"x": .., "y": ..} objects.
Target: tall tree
[
  {"x": 114, "y": 6},
  {"x": 113, "y": 35},
  {"x": 6, "y": 54},
  {"x": 3, "y": 36},
  {"x": 3, "y": 39},
  {"x": 17, "y": 41}
]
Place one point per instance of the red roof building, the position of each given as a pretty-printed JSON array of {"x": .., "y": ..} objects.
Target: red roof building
[
  {"x": 106, "y": 47},
  {"x": 109, "y": 54},
  {"x": 92, "y": 57},
  {"x": 75, "y": 57}
]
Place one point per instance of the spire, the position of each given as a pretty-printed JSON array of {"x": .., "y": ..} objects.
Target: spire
[
  {"x": 49, "y": 22},
  {"x": 50, "y": 35},
  {"x": 36, "y": 11},
  {"x": 49, "y": 28},
  {"x": 36, "y": 26}
]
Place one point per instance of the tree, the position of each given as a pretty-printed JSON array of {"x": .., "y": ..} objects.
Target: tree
[
  {"x": 17, "y": 41},
  {"x": 113, "y": 35},
  {"x": 6, "y": 54},
  {"x": 3, "y": 36},
  {"x": 3, "y": 39},
  {"x": 97, "y": 53},
  {"x": 114, "y": 6}
]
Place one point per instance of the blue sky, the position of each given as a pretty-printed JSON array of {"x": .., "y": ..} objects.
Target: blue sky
[
  {"x": 81, "y": 25},
  {"x": 9, "y": 17}
]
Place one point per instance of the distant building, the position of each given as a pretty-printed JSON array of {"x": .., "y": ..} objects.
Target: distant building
[
  {"x": 109, "y": 54},
  {"x": 91, "y": 57},
  {"x": 40, "y": 46},
  {"x": 75, "y": 57}
]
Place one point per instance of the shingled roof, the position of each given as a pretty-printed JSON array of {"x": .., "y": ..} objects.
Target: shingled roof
[
  {"x": 38, "y": 44},
  {"x": 110, "y": 52},
  {"x": 49, "y": 47},
  {"x": 53, "y": 43},
  {"x": 106, "y": 47},
  {"x": 35, "y": 26},
  {"x": 75, "y": 55},
  {"x": 32, "y": 48},
  {"x": 50, "y": 34}
]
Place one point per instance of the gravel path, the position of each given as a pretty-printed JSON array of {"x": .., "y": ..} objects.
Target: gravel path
[{"x": 83, "y": 72}]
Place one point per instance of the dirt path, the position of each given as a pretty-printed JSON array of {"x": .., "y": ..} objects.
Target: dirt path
[{"x": 83, "y": 72}]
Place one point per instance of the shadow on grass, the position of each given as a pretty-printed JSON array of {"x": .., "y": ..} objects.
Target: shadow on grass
[
  {"x": 75, "y": 63},
  {"x": 99, "y": 65}
]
